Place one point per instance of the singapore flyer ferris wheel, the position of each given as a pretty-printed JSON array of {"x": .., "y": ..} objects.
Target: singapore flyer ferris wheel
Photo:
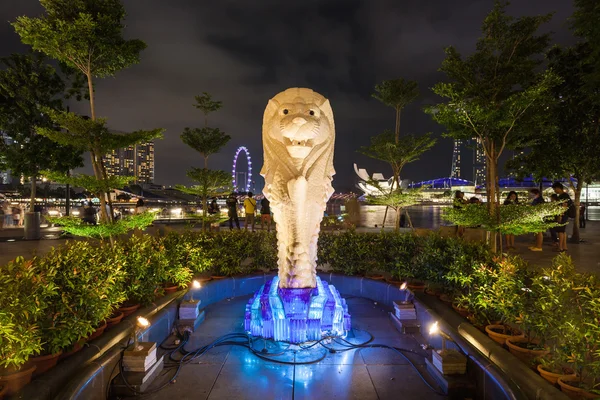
[{"x": 245, "y": 182}]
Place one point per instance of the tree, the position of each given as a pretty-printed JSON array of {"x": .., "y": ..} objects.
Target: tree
[
  {"x": 206, "y": 141},
  {"x": 385, "y": 148},
  {"x": 576, "y": 142},
  {"x": 86, "y": 35},
  {"x": 396, "y": 93},
  {"x": 211, "y": 183},
  {"x": 497, "y": 95},
  {"x": 27, "y": 86}
]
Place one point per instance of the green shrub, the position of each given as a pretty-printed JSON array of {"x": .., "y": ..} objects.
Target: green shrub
[
  {"x": 23, "y": 299},
  {"x": 89, "y": 280},
  {"x": 349, "y": 252},
  {"x": 145, "y": 267}
]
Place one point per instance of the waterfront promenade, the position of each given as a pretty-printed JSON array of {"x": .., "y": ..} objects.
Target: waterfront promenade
[{"x": 586, "y": 255}]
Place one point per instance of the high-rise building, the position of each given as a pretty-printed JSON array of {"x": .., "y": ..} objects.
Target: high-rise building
[
  {"x": 135, "y": 160},
  {"x": 479, "y": 164},
  {"x": 455, "y": 172},
  {"x": 5, "y": 176}
]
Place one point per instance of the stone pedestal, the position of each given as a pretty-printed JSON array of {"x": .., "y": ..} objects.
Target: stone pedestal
[
  {"x": 405, "y": 310},
  {"x": 297, "y": 315},
  {"x": 140, "y": 368},
  {"x": 449, "y": 362},
  {"x": 405, "y": 326}
]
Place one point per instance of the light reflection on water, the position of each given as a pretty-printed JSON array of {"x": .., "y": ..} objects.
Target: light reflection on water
[
  {"x": 422, "y": 216},
  {"x": 426, "y": 216}
]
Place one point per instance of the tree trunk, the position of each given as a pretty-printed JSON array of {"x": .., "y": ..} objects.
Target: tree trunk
[
  {"x": 398, "y": 216},
  {"x": 491, "y": 183},
  {"x": 91, "y": 90},
  {"x": 32, "y": 197},
  {"x": 397, "y": 131},
  {"x": 575, "y": 237}
]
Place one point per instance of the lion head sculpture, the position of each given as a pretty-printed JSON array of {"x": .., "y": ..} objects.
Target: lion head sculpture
[{"x": 298, "y": 141}]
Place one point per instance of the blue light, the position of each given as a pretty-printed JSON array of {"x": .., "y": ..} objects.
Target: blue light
[{"x": 297, "y": 315}]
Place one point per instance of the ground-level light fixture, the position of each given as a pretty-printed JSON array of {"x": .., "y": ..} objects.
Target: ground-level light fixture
[
  {"x": 141, "y": 323},
  {"x": 195, "y": 285},
  {"x": 447, "y": 361}
]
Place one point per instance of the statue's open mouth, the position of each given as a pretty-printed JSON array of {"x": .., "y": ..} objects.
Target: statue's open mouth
[{"x": 298, "y": 142}]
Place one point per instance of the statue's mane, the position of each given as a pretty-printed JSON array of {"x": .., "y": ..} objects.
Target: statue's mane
[{"x": 321, "y": 156}]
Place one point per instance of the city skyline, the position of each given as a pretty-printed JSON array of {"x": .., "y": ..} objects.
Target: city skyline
[
  {"x": 232, "y": 52},
  {"x": 135, "y": 160}
]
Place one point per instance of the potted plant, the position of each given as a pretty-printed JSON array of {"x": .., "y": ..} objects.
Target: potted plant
[
  {"x": 582, "y": 341},
  {"x": 144, "y": 271},
  {"x": 22, "y": 301},
  {"x": 89, "y": 280},
  {"x": 558, "y": 299},
  {"x": 522, "y": 302}
]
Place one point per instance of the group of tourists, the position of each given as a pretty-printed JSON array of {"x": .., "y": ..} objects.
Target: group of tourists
[
  {"x": 558, "y": 233},
  {"x": 11, "y": 215},
  {"x": 249, "y": 205}
]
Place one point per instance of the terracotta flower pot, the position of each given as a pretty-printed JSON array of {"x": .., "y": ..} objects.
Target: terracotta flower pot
[
  {"x": 499, "y": 333},
  {"x": 522, "y": 353},
  {"x": 128, "y": 310},
  {"x": 43, "y": 363},
  {"x": 74, "y": 349},
  {"x": 376, "y": 277},
  {"x": 574, "y": 392},
  {"x": 446, "y": 299},
  {"x": 416, "y": 286},
  {"x": 433, "y": 292},
  {"x": 114, "y": 319},
  {"x": 462, "y": 311},
  {"x": 14, "y": 382},
  {"x": 170, "y": 289},
  {"x": 99, "y": 331},
  {"x": 3, "y": 390},
  {"x": 552, "y": 377},
  {"x": 393, "y": 281},
  {"x": 218, "y": 277}
]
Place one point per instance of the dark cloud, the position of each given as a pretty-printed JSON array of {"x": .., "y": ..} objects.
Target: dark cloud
[{"x": 245, "y": 52}]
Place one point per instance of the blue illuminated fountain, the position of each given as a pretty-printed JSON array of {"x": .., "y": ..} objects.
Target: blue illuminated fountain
[
  {"x": 298, "y": 142},
  {"x": 297, "y": 315}
]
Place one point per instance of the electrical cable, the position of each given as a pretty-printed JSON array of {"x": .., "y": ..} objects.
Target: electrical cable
[{"x": 247, "y": 341}]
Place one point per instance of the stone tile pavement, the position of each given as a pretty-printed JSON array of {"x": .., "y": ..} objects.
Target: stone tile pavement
[{"x": 232, "y": 372}]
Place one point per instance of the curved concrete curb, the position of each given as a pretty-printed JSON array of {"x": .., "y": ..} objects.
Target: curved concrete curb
[
  {"x": 48, "y": 385},
  {"x": 87, "y": 374}
]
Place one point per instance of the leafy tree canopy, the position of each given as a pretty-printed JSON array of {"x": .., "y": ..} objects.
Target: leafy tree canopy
[
  {"x": 205, "y": 141},
  {"x": 28, "y": 86},
  {"x": 87, "y": 134},
  {"x": 85, "y": 34},
  {"x": 384, "y": 147}
]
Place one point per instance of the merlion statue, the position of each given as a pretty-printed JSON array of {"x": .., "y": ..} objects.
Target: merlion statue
[
  {"x": 298, "y": 140},
  {"x": 297, "y": 306}
]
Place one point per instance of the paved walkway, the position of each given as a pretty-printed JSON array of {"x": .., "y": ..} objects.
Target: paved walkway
[
  {"x": 233, "y": 372},
  {"x": 586, "y": 255}
]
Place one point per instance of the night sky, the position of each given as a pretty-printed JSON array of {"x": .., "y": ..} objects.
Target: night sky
[{"x": 245, "y": 52}]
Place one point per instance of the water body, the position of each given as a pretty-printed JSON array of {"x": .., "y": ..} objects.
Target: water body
[
  {"x": 426, "y": 216},
  {"x": 422, "y": 216}
]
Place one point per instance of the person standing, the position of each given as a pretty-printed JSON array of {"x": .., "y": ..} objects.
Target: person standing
[
  {"x": 249, "y": 208},
  {"x": 582, "y": 215},
  {"x": 511, "y": 199},
  {"x": 536, "y": 198},
  {"x": 1, "y": 215},
  {"x": 459, "y": 202},
  {"x": 265, "y": 214},
  {"x": 563, "y": 197},
  {"x": 139, "y": 207},
  {"x": 232, "y": 205}
]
